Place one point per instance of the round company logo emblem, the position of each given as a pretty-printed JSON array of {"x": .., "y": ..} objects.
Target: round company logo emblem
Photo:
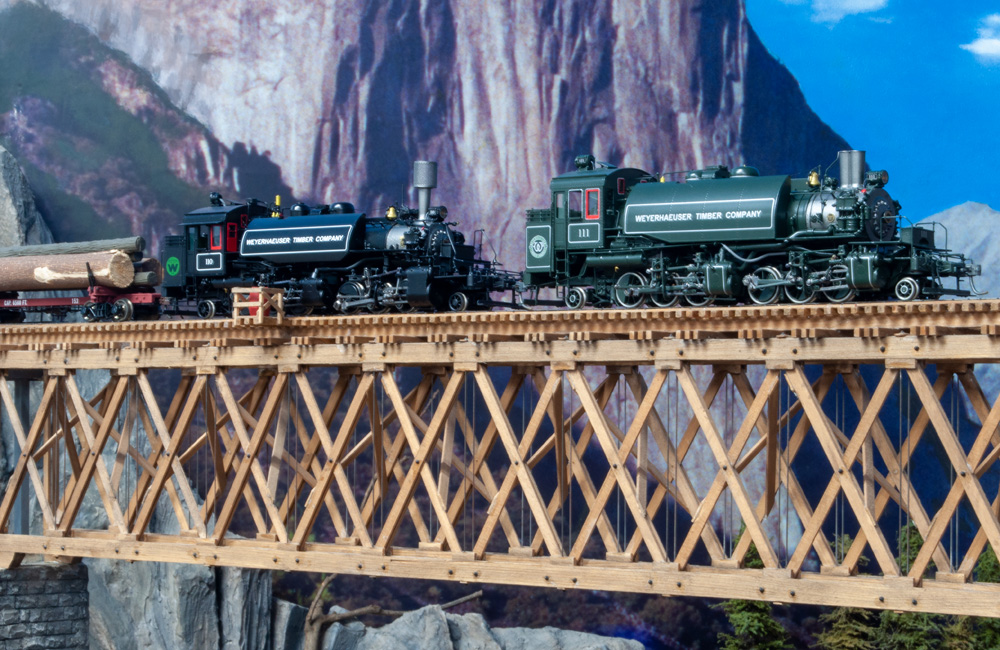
[
  {"x": 173, "y": 266},
  {"x": 538, "y": 246}
]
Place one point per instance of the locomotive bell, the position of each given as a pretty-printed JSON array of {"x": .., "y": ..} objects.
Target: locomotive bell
[{"x": 425, "y": 178}]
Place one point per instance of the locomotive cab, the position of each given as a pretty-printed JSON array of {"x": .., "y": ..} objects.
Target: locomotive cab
[
  {"x": 582, "y": 216},
  {"x": 207, "y": 248}
]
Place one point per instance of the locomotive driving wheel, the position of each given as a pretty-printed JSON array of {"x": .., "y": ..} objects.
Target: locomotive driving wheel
[
  {"x": 767, "y": 294},
  {"x": 839, "y": 275},
  {"x": 799, "y": 292},
  {"x": 628, "y": 290}
]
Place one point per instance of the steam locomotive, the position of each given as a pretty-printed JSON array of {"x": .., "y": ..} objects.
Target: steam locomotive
[
  {"x": 331, "y": 258},
  {"x": 609, "y": 237},
  {"x": 624, "y": 237}
]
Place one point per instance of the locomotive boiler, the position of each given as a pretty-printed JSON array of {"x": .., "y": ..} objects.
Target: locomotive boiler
[
  {"x": 331, "y": 258},
  {"x": 625, "y": 237}
]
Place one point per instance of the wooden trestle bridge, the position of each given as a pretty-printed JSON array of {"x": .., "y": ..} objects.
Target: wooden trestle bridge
[{"x": 615, "y": 450}]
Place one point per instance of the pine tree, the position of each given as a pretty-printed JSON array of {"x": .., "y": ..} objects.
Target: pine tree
[
  {"x": 909, "y": 631},
  {"x": 847, "y": 628},
  {"x": 961, "y": 634},
  {"x": 753, "y": 627},
  {"x": 753, "y": 621},
  {"x": 987, "y": 630}
]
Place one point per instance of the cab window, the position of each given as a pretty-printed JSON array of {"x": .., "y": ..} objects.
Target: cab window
[
  {"x": 593, "y": 204},
  {"x": 215, "y": 238},
  {"x": 575, "y": 204}
]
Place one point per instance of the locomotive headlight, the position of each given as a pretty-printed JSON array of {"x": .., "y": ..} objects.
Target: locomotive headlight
[{"x": 878, "y": 178}]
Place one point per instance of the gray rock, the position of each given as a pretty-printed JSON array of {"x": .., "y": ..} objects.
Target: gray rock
[
  {"x": 342, "y": 636},
  {"x": 287, "y": 625},
  {"x": 152, "y": 606},
  {"x": 425, "y": 628},
  {"x": 522, "y": 638},
  {"x": 470, "y": 632},
  {"x": 245, "y": 616},
  {"x": 20, "y": 222}
]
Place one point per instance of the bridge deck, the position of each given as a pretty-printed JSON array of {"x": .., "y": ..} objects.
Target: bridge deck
[{"x": 598, "y": 450}]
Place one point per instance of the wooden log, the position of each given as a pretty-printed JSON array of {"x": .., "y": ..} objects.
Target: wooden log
[
  {"x": 48, "y": 272},
  {"x": 148, "y": 272},
  {"x": 126, "y": 244}
]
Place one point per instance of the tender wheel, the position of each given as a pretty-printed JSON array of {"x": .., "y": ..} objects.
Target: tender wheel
[
  {"x": 122, "y": 310},
  {"x": 628, "y": 290},
  {"x": 907, "y": 289},
  {"x": 800, "y": 295},
  {"x": 458, "y": 301},
  {"x": 576, "y": 297},
  {"x": 299, "y": 310},
  {"x": 766, "y": 295},
  {"x": 90, "y": 312},
  {"x": 206, "y": 309}
]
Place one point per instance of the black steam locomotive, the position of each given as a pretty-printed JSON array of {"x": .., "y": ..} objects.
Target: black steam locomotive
[
  {"x": 331, "y": 258},
  {"x": 625, "y": 237}
]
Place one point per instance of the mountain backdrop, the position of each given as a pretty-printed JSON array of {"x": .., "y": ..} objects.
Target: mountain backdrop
[{"x": 125, "y": 114}]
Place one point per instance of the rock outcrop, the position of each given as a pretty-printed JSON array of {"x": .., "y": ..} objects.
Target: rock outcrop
[
  {"x": 20, "y": 222},
  {"x": 431, "y": 628},
  {"x": 344, "y": 95}
]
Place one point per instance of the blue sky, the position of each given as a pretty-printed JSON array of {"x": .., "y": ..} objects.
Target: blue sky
[{"x": 916, "y": 83}]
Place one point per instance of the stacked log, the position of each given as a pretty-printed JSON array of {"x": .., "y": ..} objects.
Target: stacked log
[
  {"x": 112, "y": 269},
  {"x": 131, "y": 245}
]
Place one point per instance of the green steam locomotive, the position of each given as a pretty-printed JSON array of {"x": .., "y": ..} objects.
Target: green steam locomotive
[{"x": 626, "y": 237}]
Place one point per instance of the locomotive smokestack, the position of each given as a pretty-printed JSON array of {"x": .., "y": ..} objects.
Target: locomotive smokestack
[
  {"x": 425, "y": 178},
  {"x": 852, "y": 168}
]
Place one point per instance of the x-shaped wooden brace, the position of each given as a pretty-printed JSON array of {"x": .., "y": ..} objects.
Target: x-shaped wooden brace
[
  {"x": 334, "y": 469},
  {"x": 967, "y": 481},
  {"x": 727, "y": 476},
  {"x": 842, "y": 461},
  {"x": 780, "y": 470},
  {"x": 617, "y": 458},
  {"x": 519, "y": 472},
  {"x": 26, "y": 463},
  {"x": 392, "y": 451},
  {"x": 574, "y": 457},
  {"x": 684, "y": 493},
  {"x": 94, "y": 460},
  {"x": 981, "y": 405},
  {"x": 420, "y": 470},
  {"x": 903, "y": 495}
]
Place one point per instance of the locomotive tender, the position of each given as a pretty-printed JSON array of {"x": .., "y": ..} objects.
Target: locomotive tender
[
  {"x": 625, "y": 237},
  {"x": 331, "y": 259}
]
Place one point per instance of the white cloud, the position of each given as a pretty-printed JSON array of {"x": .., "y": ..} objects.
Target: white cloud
[
  {"x": 987, "y": 46},
  {"x": 833, "y": 11}
]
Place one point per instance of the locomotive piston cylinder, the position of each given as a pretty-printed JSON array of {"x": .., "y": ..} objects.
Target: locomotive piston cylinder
[
  {"x": 852, "y": 168},
  {"x": 425, "y": 177}
]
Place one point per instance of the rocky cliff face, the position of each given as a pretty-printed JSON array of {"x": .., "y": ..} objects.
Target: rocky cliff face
[
  {"x": 20, "y": 222},
  {"x": 105, "y": 150},
  {"x": 343, "y": 95}
]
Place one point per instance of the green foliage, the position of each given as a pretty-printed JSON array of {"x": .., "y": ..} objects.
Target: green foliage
[
  {"x": 753, "y": 627},
  {"x": 54, "y": 60},
  {"x": 908, "y": 631},
  {"x": 960, "y": 634},
  {"x": 847, "y": 628},
  {"x": 910, "y": 541},
  {"x": 753, "y": 624}
]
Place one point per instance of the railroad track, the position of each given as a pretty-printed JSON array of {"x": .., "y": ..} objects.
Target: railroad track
[{"x": 868, "y": 320}]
